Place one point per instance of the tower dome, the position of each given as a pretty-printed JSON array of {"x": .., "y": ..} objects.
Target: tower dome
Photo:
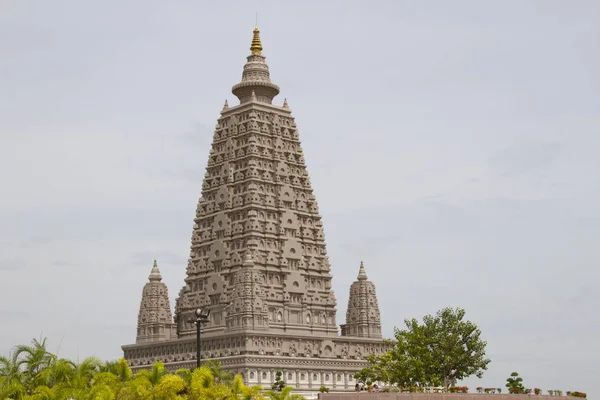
[{"x": 256, "y": 82}]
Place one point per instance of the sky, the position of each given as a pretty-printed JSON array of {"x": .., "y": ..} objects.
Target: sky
[{"x": 452, "y": 146}]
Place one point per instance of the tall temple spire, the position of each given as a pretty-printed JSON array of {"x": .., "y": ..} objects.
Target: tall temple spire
[
  {"x": 155, "y": 320},
  {"x": 362, "y": 318},
  {"x": 258, "y": 245},
  {"x": 256, "y": 77}
]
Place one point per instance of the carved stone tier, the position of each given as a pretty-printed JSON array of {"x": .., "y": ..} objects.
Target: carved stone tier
[{"x": 258, "y": 355}]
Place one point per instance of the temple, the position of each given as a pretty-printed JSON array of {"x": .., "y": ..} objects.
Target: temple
[{"x": 258, "y": 260}]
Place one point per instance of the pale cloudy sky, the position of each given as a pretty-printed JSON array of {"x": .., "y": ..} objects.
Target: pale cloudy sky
[{"x": 453, "y": 146}]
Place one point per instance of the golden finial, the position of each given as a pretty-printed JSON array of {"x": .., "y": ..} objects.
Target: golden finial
[{"x": 256, "y": 46}]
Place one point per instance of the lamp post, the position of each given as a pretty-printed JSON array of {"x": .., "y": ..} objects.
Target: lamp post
[{"x": 201, "y": 318}]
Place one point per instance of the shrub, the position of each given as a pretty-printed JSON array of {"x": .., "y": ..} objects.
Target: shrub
[{"x": 514, "y": 383}]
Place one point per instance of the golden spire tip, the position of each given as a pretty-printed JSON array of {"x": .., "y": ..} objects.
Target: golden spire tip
[{"x": 256, "y": 46}]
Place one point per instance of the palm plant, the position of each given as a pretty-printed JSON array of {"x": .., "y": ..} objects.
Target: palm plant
[
  {"x": 185, "y": 374},
  {"x": 241, "y": 391},
  {"x": 59, "y": 372},
  {"x": 31, "y": 360},
  {"x": 9, "y": 370},
  {"x": 154, "y": 375},
  {"x": 119, "y": 368},
  {"x": 32, "y": 373},
  {"x": 285, "y": 394},
  {"x": 220, "y": 376}
]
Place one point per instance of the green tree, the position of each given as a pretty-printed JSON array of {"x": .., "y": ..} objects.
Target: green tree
[
  {"x": 514, "y": 383},
  {"x": 31, "y": 360},
  {"x": 279, "y": 383},
  {"x": 152, "y": 376},
  {"x": 11, "y": 385},
  {"x": 380, "y": 370},
  {"x": 220, "y": 375},
  {"x": 459, "y": 349},
  {"x": 439, "y": 351}
]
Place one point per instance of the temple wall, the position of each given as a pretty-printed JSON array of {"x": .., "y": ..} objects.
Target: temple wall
[
  {"x": 265, "y": 344},
  {"x": 306, "y": 363}
]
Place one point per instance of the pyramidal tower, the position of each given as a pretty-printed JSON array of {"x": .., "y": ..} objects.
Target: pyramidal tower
[
  {"x": 362, "y": 318},
  {"x": 155, "y": 321},
  {"x": 258, "y": 259}
]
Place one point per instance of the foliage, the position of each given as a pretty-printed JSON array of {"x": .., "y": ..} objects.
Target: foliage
[
  {"x": 514, "y": 383},
  {"x": 221, "y": 376},
  {"x": 285, "y": 394},
  {"x": 577, "y": 394},
  {"x": 440, "y": 351},
  {"x": 33, "y": 373},
  {"x": 323, "y": 389},
  {"x": 279, "y": 384}
]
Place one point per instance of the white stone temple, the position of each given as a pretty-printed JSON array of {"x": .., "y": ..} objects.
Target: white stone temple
[{"x": 258, "y": 260}]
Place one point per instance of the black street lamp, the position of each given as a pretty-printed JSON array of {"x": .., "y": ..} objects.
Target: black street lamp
[{"x": 201, "y": 318}]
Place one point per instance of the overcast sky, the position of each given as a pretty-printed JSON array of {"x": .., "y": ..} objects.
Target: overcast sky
[{"x": 452, "y": 146}]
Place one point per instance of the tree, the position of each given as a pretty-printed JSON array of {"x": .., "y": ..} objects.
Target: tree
[
  {"x": 154, "y": 375},
  {"x": 220, "y": 376},
  {"x": 31, "y": 360},
  {"x": 459, "y": 349},
  {"x": 11, "y": 385},
  {"x": 440, "y": 351},
  {"x": 515, "y": 383},
  {"x": 379, "y": 370},
  {"x": 279, "y": 383}
]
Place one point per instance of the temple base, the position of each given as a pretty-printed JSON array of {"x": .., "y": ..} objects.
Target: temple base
[{"x": 306, "y": 362}]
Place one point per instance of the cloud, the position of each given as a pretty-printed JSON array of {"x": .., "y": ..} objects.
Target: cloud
[
  {"x": 523, "y": 158},
  {"x": 190, "y": 175},
  {"x": 63, "y": 264},
  {"x": 36, "y": 241},
  {"x": 12, "y": 315},
  {"x": 12, "y": 265}
]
